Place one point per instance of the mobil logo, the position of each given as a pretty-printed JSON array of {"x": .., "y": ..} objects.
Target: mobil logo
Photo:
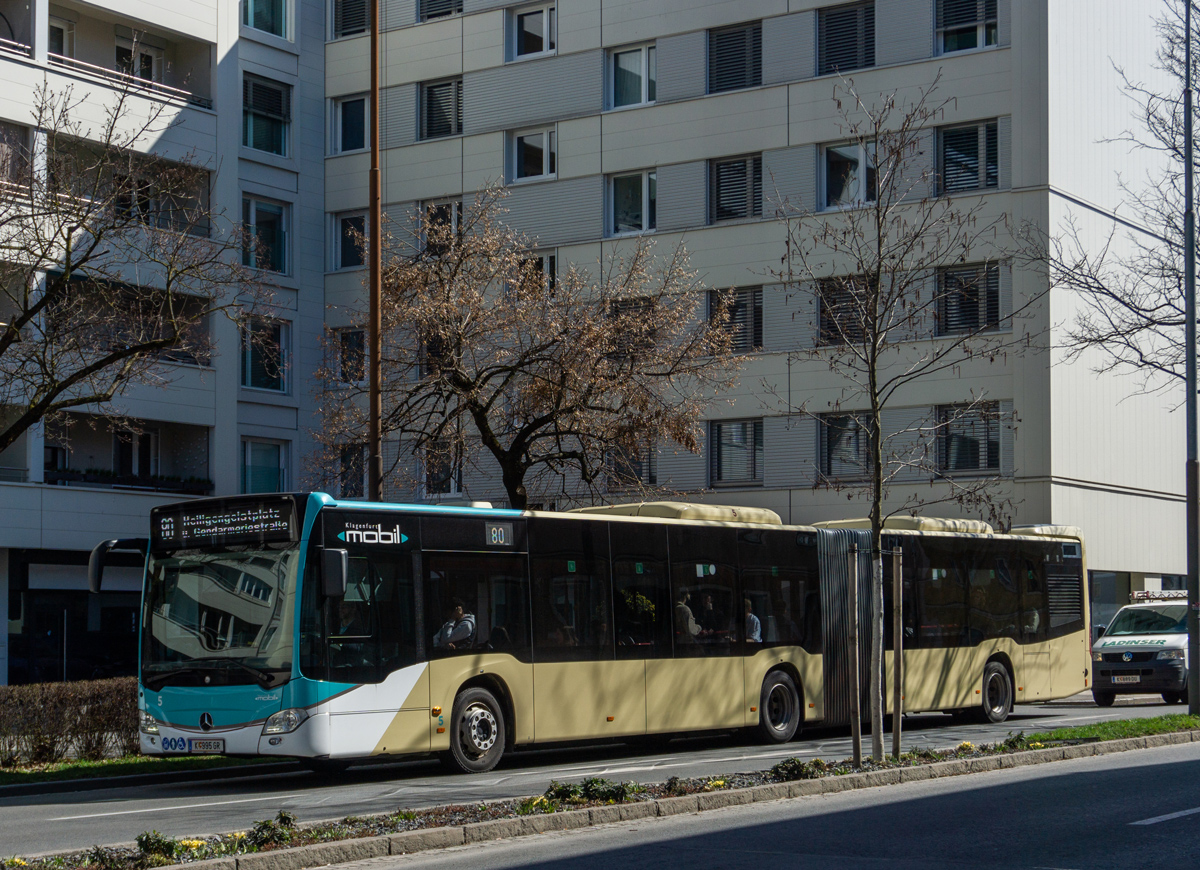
[{"x": 365, "y": 533}]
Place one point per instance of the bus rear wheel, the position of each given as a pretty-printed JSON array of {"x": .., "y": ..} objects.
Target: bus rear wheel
[
  {"x": 778, "y": 709},
  {"x": 997, "y": 694},
  {"x": 477, "y": 732},
  {"x": 1175, "y": 697}
]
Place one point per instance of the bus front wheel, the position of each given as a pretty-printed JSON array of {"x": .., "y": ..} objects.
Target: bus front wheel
[
  {"x": 477, "y": 735},
  {"x": 1104, "y": 699},
  {"x": 997, "y": 693},
  {"x": 779, "y": 709}
]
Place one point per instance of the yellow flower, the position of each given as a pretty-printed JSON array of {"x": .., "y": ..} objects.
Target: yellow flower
[
  {"x": 966, "y": 746},
  {"x": 16, "y": 862},
  {"x": 240, "y": 835},
  {"x": 191, "y": 844},
  {"x": 1036, "y": 745}
]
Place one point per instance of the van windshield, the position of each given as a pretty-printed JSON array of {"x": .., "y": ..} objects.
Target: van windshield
[{"x": 1158, "y": 619}]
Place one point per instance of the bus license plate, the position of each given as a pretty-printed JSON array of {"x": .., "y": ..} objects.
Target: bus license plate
[
  {"x": 1127, "y": 678},
  {"x": 204, "y": 747}
]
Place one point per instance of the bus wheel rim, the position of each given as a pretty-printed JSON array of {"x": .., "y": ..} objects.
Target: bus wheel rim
[
  {"x": 479, "y": 729},
  {"x": 995, "y": 693},
  {"x": 779, "y": 704}
]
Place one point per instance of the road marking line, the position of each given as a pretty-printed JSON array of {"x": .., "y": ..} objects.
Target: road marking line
[
  {"x": 1168, "y": 817},
  {"x": 171, "y": 809}
]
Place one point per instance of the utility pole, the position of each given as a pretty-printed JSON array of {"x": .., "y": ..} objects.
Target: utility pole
[
  {"x": 897, "y": 646},
  {"x": 374, "y": 254},
  {"x": 855, "y": 682},
  {"x": 1193, "y": 461}
]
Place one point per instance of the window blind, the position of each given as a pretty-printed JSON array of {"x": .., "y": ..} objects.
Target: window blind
[
  {"x": 970, "y": 157},
  {"x": 843, "y": 446},
  {"x": 959, "y": 13},
  {"x": 745, "y": 318},
  {"x": 969, "y": 440},
  {"x": 846, "y": 38},
  {"x": 969, "y": 299},
  {"x": 736, "y": 187},
  {"x": 841, "y": 310},
  {"x": 735, "y": 58},
  {"x": 349, "y": 17},
  {"x": 266, "y": 98},
  {"x": 440, "y": 8},
  {"x": 736, "y": 454},
  {"x": 441, "y": 109}
]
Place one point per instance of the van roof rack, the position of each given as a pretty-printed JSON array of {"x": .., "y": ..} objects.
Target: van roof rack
[{"x": 1158, "y": 595}]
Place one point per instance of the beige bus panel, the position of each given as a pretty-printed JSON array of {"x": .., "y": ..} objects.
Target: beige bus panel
[
  {"x": 677, "y": 510},
  {"x": 446, "y": 677},
  {"x": 694, "y": 694},
  {"x": 914, "y": 524},
  {"x": 409, "y": 731},
  {"x": 580, "y": 700},
  {"x": 806, "y": 665},
  {"x": 1048, "y": 531}
]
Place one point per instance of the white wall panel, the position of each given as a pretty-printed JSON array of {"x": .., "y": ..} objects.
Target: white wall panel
[
  {"x": 682, "y": 62},
  {"x": 681, "y": 195},
  {"x": 789, "y": 47},
  {"x": 790, "y": 180},
  {"x": 903, "y": 30},
  {"x": 790, "y": 451}
]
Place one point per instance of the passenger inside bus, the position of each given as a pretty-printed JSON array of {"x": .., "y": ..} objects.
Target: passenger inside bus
[
  {"x": 686, "y": 627},
  {"x": 753, "y": 625},
  {"x": 458, "y": 631}
]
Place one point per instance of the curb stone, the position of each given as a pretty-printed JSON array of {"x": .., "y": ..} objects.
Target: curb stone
[{"x": 409, "y": 842}]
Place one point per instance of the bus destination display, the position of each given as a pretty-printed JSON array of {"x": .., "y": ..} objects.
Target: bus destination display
[{"x": 269, "y": 522}]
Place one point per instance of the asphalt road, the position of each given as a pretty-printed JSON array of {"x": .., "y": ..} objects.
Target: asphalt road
[
  {"x": 32, "y": 825},
  {"x": 1088, "y": 813}
]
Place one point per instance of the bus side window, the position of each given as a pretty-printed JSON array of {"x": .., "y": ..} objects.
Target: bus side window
[
  {"x": 941, "y": 597},
  {"x": 704, "y": 600},
  {"x": 780, "y": 588},
  {"x": 641, "y": 599},
  {"x": 572, "y": 595},
  {"x": 474, "y": 601}
]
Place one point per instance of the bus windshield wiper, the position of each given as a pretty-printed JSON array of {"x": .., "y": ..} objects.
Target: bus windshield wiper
[{"x": 262, "y": 678}]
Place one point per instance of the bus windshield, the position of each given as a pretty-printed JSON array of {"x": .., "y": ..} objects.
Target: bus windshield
[
  {"x": 219, "y": 616},
  {"x": 1159, "y": 619}
]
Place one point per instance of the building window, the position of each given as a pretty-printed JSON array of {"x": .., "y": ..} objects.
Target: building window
[
  {"x": 631, "y": 466},
  {"x": 351, "y": 232},
  {"x": 264, "y": 355},
  {"x": 443, "y": 470},
  {"x": 545, "y": 264},
  {"x": 736, "y": 452},
  {"x": 845, "y": 446},
  {"x": 352, "y": 470},
  {"x": 349, "y": 124},
  {"x": 633, "y": 202},
  {"x": 431, "y": 9},
  {"x": 849, "y": 175},
  {"x": 735, "y": 187},
  {"x": 352, "y": 355},
  {"x": 266, "y": 234},
  {"x": 745, "y": 317},
  {"x": 969, "y": 157},
  {"x": 969, "y": 438},
  {"x": 441, "y": 109},
  {"x": 965, "y": 24},
  {"x": 139, "y": 60},
  {"x": 842, "y": 303},
  {"x": 135, "y": 454},
  {"x": 968, "y": 299},
  {"x": 846, "y": 38},
  {"x": 268, "y": 16},
  {"x": 60, "y": 37},
  {"x": 534, "y": 31},
  {"x": 440, "y": 226},
  {"x": 264, "y": 466},
  {"x": 349, "y": 17},
  {"x": 534, "y": 153},
  {"x": 735, "y": 57},
  {"x": 633, "y": 76},
  {"x": 266, "y": 111}
]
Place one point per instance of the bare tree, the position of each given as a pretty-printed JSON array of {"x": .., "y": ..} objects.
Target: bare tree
[
  {"x": 903, "y": 250},
  {"x": 1129, "y": 286},
  {"x": 112, "y": 262},
  {"x": 493, "y": 362}
]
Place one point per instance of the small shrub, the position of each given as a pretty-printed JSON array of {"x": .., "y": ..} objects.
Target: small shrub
[
  {"x": 565, "y": 792},
  {"x": 154, "y": 843},
  {"x": 598, "y": 789},
  {"x": 674, "y": 786},
  {"x": 793, "y": 768},
  {"x": 534, "y": 805},
  {"x": 273, "y": 832},
  {"x": 104, "y": 859}
]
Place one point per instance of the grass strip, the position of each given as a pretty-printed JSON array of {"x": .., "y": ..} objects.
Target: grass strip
[
  {"x": 1119, "y": 729},
  {"x": 130, "y": 765}
]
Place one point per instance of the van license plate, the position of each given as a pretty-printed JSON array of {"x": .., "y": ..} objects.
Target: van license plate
[
  {"x": 204, "y": 747},
  {"x": 1127, "y": 678}
]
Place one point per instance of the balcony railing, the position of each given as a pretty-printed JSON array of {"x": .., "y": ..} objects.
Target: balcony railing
[
  {"x": 13, "y": 475},
  {"x": 7, "y": 45},
  {"x": 109, "y": 480},
  {"x": 132, "y": 82}
]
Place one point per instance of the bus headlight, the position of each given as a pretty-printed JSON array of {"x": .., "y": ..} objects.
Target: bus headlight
[
  {"x": 1170, "y": 654},
  {"x": 149, "y": 724},
  {"x": 285, "y": 721}
]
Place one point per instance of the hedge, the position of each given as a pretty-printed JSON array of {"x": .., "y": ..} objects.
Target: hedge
[{"x": 46, "y": 722}]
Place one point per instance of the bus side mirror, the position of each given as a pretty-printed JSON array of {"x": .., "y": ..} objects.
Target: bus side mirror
[
  {"x": 100, "y": 551},
  {"x": 337, "y": 566}
]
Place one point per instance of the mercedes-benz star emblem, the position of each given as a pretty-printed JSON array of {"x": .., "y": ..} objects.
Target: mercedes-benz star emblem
[
  {"x": 205, "y": 722},
  {"x": 1127, "y": 657}
]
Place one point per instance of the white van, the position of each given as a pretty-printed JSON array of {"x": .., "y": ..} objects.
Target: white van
[{"x": 1143, "y": 650}]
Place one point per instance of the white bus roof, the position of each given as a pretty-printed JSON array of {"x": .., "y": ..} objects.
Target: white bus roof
[{"x": 678, "y": 510}]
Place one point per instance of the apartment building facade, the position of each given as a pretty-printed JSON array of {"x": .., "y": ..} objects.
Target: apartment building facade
[
  {"x": 240, "y": 88},
  {"x": 693, "y": 122}
]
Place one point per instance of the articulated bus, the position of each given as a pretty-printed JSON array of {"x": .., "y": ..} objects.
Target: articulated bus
[{"x": 303, "y": 626}]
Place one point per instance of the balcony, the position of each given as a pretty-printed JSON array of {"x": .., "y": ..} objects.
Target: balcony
[
  {"x": 142, "y": 455},
  {"x": 92, "y": 43}
]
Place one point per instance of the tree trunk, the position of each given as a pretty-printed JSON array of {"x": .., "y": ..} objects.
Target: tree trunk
[{"x": 514, "y": 485}]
